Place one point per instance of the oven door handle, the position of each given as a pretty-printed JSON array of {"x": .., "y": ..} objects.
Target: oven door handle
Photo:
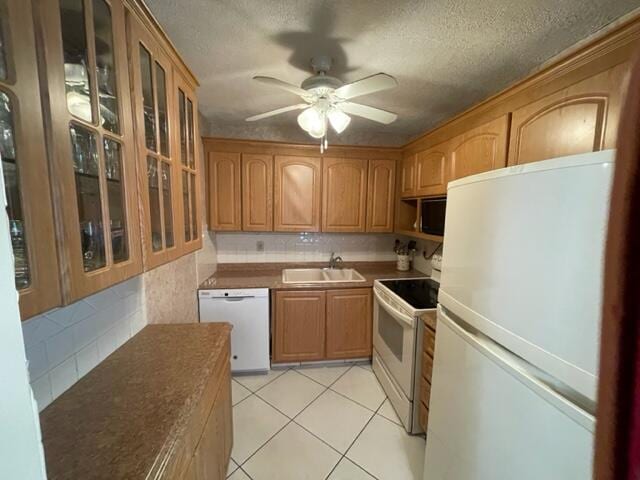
[{"x": 402, "y": 318}]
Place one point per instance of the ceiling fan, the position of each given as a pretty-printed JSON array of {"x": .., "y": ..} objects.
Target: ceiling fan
[{"x": 327, "y": 100}]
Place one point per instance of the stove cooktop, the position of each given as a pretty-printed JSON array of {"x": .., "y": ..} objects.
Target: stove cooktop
[{"x": 420, "y": 293}]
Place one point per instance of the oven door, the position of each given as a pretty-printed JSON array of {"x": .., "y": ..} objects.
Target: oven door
[{"x": 394, "y": 337}]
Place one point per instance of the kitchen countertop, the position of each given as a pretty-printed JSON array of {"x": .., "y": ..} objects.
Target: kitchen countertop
[
  {"x": 269, "y": 275},
  {"x": 124, "y": 418}
]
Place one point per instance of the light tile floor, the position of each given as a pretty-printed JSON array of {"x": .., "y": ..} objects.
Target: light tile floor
[{"x": 319, "y": 423}]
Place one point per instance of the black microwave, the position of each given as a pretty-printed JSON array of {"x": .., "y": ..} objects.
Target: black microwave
[{"x": 433, "y": 211}]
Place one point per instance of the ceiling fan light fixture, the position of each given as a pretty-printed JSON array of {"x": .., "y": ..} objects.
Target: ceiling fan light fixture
[
  {"x": 338, "y": 119},
  {"x": 313, "y": 121}
]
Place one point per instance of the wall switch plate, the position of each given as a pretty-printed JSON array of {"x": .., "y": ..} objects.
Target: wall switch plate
[{"x": 260, "y": 246}]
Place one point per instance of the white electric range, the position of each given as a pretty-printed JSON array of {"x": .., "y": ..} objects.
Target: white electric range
[{"x": 397, "y": 337}]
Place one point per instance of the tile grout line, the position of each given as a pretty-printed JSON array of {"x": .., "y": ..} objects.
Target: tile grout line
[
  {"x": 292, "y": 419},
  {"x": 344, "y": 455}
]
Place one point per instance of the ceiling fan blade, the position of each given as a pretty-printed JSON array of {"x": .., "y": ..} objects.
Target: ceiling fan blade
[
  {"x": 289, "y": 87},
  {"x": 372, "y": 113},
  {"x": 277, "y": 111},
  {"x": 374, "y": 83}
]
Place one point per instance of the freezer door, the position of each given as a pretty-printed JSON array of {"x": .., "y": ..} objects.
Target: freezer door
[
  {"x": 490, "y": 419},
  {"x": 522, "y": 260}
]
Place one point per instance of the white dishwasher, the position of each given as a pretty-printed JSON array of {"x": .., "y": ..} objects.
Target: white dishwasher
[{"x": 248, "y": 311}]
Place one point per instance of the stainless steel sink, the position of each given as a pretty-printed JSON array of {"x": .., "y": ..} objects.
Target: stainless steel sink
[{"x": 320, "y": 275}]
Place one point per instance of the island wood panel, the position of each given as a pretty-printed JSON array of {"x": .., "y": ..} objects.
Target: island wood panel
[
  {"x": 349, "y": 323},
  {"x": 212, "y": 454},
  {"x": 432, "y": 170},
  {"x": 224, "y": 191},
  {"x": 480, "y": 149},
  {"x": 408, "y": 170},
  {"x": 297, "y": 193},
  {"x": 257, "y": 192},
  {"x": 381, "y": 196},
  {"x": 344, "y": 194},
  {"x": 299, "y": 331},
  {"x": 579, "y": 119}
]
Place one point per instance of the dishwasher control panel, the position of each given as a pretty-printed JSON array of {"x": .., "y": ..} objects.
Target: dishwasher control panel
[{"x": 234, "y": 293}]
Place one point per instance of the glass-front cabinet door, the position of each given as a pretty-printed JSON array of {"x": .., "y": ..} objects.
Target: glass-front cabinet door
[
  {"x": 93, "y": 159},
  {"x": 152, "y": 80},
  {"x": 24, "y": 163},
  {"x": 187, "y": 110}
]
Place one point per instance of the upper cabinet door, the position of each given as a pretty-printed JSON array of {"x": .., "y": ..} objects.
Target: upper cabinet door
[
  {"x": 380, "y": 195},
  {"x": 408, "y": 176},
  {"x": 579, "y": 119},
  {"x": 152, "y": 79},
  {"x": 189, "y": 164},
  {"x": 224, "y": 191},
  {"x": 344, "y": 194},
  {"x": 257, "y": 193},
  {"x": 480, "y": 149},
  {"x": 432, "y": 170},
  {"x": 92, "y": 154},
  {"x": 297, "y": 190},
  {"x": 24, "y": 163}
]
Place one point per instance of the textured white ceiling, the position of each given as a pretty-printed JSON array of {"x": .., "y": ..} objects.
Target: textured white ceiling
[{"x": 446, "y": 54}]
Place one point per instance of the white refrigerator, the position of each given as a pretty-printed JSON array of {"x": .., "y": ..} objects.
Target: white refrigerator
[{"x": 516, "y": 358}]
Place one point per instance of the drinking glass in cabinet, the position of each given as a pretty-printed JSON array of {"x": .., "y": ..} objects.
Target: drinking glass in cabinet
[
  {"x": 74, "y": 41},
  {"x": 167, "y": 206},
  {"x": 87, "y": 175},
  {"x": 117, "y": 201},
  {"x": 105, "y": 66},
  {"x": 154, "y": 203},
  {"x": 7, "y": 145},
  {"x": 147, "y": 99},
  {"x": 183, "y": 127},
  {"x": 194, "y": 218},
  {"x": 186, "y": 205},
  {"x": 13, "y": 194},
  {"x": 190, "y": 133},
  {"x": 3, "y": 55},
  {"x": 162, "y": 110}
]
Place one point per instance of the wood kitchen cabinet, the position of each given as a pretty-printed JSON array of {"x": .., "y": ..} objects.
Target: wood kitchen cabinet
[
  {"x": 225, "y": 199},
  {"x": 426, "y": 357},
  {"x": 321, "y": 324},
  {"x": 480, "y": 149},
  {"x": 381, "y": 196},
  {"x": 348, "y": 323},
  {"x": 257, "y": 193},
  {"x": 92, "y": 143},
  {"x": 344, "y": 194},
  {"x": 24, "y": 163},
  {"x": 297, "y": 193},
  {"x": 579, "y": 119},
  {"x": 212, "y": 454},
  {"x": 408, "y": 171},
  {"x": 187, "y": 108},
  {"x": 299, "y": 331},
  {"x": 432, "y": 167},
  {"x": 158, "y": 178}
]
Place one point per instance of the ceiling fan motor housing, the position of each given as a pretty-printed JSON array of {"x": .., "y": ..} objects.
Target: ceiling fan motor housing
[{"x": 321, "y": 64}]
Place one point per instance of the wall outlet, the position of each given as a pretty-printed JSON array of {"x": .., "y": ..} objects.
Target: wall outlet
[{"x": 260, "y": 246}]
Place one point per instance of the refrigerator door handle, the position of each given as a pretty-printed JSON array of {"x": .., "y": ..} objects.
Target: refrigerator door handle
[
  {"x": 405, "y": 320},
  {"x": 570, "y": 402}
]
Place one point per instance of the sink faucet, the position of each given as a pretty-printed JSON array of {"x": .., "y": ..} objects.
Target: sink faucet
[{"x": 335, "y": 262}]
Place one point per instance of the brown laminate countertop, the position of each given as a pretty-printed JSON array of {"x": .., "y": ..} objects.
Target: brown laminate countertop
[
  {"x": 123, "y": 418},
  {"x": 269, "y": 275}
]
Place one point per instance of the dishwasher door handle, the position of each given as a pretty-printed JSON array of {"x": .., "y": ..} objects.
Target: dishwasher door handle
[{"x": 232, "y": 299}]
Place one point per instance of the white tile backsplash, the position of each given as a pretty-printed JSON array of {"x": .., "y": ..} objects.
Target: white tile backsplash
[
  {"x": 303, "y": 247},
  {"x": 64, "y": 344}
]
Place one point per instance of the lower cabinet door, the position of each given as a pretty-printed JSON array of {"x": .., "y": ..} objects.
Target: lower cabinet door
[
  {"x": 349, "y": 323},
  {"x": 299, "y": 330}
]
